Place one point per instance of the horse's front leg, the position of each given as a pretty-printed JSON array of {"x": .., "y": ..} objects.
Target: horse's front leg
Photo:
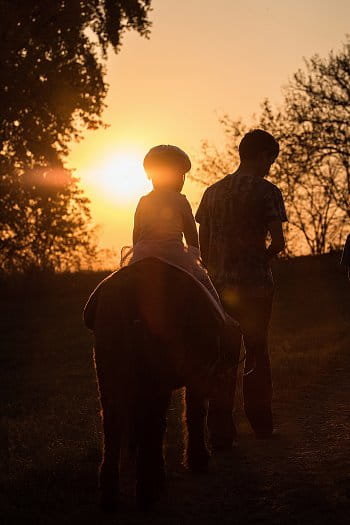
[{"x": 196, "y": 452}]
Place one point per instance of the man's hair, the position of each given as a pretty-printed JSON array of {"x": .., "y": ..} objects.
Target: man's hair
[{"x": 255, "y": 142}]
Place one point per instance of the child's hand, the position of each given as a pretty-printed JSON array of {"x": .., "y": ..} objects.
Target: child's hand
[{"x": 194, "y": 251}]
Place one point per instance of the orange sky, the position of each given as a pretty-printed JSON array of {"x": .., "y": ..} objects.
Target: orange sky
[{"x": 203, "y": 59}]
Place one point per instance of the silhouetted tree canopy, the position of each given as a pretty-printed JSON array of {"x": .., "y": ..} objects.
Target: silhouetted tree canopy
[
  {"x": 318, "y": 101},
  {"x": 53, "y": 87},
  {"x": 313, "y": 168},
  {"x": 317, "y": 219}
]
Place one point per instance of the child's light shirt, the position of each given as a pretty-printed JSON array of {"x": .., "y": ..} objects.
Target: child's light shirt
[
  {"x": 164, "y": 215},
  {"x": 162, "y": 219}
]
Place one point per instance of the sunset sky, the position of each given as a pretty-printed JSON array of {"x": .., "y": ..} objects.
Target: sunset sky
[{"x": 204, "y": 58}]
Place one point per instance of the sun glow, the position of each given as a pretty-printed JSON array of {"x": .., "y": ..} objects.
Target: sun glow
[{"x": 119, "y": 177}]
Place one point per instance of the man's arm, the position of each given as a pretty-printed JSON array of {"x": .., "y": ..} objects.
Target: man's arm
[
  {"x": 277, "y": 238},
  {"x": 202, "y": 218},
  {"x": 275, "y": 215},
  {"x": 137, "y": 225}
]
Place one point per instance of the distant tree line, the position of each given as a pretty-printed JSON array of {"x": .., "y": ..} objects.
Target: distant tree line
[
  {"x": 52, "y": 59},
  {"x": 313, "y": 169}
]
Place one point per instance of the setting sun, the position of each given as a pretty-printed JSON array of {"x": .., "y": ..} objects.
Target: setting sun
[{"x": 119, "y": 177}]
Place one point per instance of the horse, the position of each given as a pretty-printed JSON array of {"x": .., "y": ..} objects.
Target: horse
[{"x": 155, "y": 330}]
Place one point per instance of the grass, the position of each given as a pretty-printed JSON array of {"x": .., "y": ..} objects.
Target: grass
[{"x": 50, "y": 431}]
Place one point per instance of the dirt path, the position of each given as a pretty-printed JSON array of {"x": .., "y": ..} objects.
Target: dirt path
[{"x": 299, "y": 477}]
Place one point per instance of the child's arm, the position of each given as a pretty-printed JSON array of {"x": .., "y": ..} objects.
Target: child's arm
[
  {"x": 137, "y": 225},
  {"x": 189, "y": 225}
]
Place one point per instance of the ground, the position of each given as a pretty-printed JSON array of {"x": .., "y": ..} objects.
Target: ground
[{"x": 51, "y": 434}]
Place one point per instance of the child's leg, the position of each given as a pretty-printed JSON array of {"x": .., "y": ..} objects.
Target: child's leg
[{"x": 202, "y": 276}]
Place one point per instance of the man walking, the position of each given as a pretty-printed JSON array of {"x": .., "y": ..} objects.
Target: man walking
[{"x": 236, "y": 215}]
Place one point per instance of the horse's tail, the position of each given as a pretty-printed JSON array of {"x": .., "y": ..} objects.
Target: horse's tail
[
  {"x": 135, "y": 339},
  {"x": 116, "y": 335}
]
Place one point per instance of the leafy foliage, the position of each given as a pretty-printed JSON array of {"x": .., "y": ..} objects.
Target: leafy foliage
[
  {"x": 318, "y": 102},
  {"x": 53, "y": 66},
  {"x": 313, "y": 168}
]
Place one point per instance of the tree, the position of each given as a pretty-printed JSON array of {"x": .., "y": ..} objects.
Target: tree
[
  {"x": 316, "y": 221},
  {"x": 48, "y": 226},
  {"x": 53, "y": 87},
  {"x": 214, "y": 162},
  {"x": 318, "y": 100},
  {"x": 312, "y": 169}
]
